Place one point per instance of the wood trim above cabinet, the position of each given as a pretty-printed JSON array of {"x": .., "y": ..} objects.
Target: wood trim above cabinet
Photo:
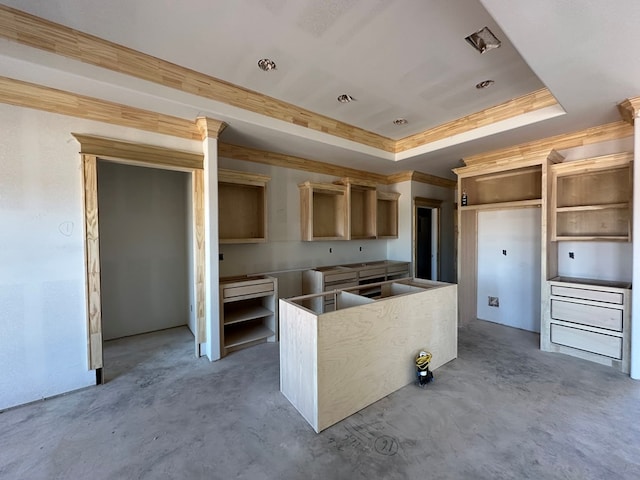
[{"x": 138, "y": 154}]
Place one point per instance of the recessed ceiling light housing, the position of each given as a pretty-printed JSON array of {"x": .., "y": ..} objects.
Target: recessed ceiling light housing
[
  {"x": 400, "y": 121},
  {"x": 345, "y": 98},
  {"x": 483, "y": 40},
  {"x": 484, "y": 84},
  {"x": 266, "y": 64}
]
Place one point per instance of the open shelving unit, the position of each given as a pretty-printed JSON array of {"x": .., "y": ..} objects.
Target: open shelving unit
[
  {"x": 591, "y": 199},
  {"x": 503, "y": 189},
  {"x": 248, "y": 311},
  {"x": 347, "y": 210},
  {"x": 387, "y": 214},
  {"x": 242, "y": 207},
  {"x": 324, "y": 213}
]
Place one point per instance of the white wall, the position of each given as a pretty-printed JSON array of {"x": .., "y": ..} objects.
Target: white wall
[
  {"x": 143, "y": 249},
  {"x": 515, "y": 277},
  {"x": 400, "y": 248},
  {"x": 190, "y": 247},
  {"x": 596, "y": 260},
  {"x": 43, "y": 329}
]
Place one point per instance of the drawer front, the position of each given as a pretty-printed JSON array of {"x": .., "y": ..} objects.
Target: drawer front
[
  {"x": 584, "y": 294},
  {"x": 339, "y": 277},
  {"x": 589, "y": 341},
  {"x": 600, "y": 317},
  {"x": 329, "y": 298},
  {"x": 395, "y": 269},
  {"x": 373, "y": 272},
  {"x": 250, "y": 289}
]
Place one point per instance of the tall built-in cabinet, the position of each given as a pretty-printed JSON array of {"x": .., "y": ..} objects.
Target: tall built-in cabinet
[
  {"x": 590, "y": 200},
  {"x": 492, "y": 186},
  {"x": 586, "y": 200},
  {"x": 347, "y": 210}
]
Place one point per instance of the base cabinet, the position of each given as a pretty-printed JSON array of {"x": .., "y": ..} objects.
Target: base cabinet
[
  {"x": 589, "y": 319},
  {"x": 248, "y": 312},
  {"x": 327, "y": 279}
]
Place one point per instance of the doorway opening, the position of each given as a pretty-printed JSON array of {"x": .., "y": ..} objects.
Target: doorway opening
[
  {"x": 145, "y": 256},
  {"x": 110, "y": 150},
  {"x": 426, "y": 250}
]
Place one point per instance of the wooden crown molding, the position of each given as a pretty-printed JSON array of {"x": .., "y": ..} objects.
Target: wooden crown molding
[
  {"x": 24, "y": 94},
  {"x": 518, "y": 106},
  {"x": 629, "y": 109},
  {"x": 541, "y": 148},
  {"x": 36, "y": 32},
  {"x": 210, "y": 127},
  {"x": 136, "y": 153},
  {"x": 416, "y": 176},
  {"x": 29, "y": 95}
]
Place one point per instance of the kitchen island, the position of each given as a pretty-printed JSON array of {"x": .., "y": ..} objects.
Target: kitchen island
[{"x": 333, "y": 364}]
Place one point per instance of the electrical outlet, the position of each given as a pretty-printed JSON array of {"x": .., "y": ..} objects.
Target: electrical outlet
[
  {"x": 221, "y": 256},
  {"x": 494, "y": 302},
  {"x": 360, "y": 248},
  {"x": 571, "y": 255},
  {"x": 330, "y": 250}
]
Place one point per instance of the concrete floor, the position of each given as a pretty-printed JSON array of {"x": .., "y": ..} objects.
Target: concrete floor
[{"x": 502, "y": 410}]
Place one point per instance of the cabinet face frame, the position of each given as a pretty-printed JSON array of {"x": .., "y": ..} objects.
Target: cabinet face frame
[
  {"x": 579, "y": 213},
  {"x": 387, "y": 215},
  {"x": 247, "y": 192}
]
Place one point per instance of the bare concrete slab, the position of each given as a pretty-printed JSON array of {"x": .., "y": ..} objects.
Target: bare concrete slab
[{"x": 502, "y": 410}]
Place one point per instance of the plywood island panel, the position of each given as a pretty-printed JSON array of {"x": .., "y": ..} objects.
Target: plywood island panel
[{"x": 336, "y": 363}]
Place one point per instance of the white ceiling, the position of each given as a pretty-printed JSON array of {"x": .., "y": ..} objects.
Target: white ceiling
[{"x": 398, "y": 58}]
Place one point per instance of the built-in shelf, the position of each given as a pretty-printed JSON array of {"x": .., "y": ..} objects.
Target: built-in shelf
[
  {"x": 505, "y": 187},
  {"x": 323, "y": 210},
  {"x": 387, "y": 214},
  {"x": 249, "y": 334},
  {"x": 248, "y": 311},
  {"x": 347, "y": 210},
  {"x": 242, "y": 207},
  {"x": 591, "y": 199},
  {"x": 503, "y": 205}
]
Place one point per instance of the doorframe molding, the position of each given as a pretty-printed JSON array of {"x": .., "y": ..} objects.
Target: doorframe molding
[
  {"x": 92, "y": 149},
  {"x": 435, "y": 204}
]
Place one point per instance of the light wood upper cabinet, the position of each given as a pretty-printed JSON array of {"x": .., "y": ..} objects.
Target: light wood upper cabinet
[
  {"x": 323, "y": 211},
  {"x": 387, "y": 214},
  {"x": 591, "y": 199},
  {"x": 520, "y": 186},
  {"x": 347, "y": 210},
  {"x": 242, "y": 207}
]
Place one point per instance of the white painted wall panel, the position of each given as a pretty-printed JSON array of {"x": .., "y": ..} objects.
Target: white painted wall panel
[
  {"x": 596, "y": 260},
  {"x": 43, "y": 331},
  {"x": 515, "y": 277}
]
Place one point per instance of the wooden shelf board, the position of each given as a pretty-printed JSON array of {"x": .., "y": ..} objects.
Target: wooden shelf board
[
  {"x": 243, "y": 240},
  {"x": 246, "y": 335},
  {"x": 604, "y": 238},
  {"x": 586, "y": 208},
  {"x": 242, "y": 313},
  {"x": 516, "y": 204}
]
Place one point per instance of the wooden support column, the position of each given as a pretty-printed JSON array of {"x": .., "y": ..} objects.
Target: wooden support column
[
  {"x": 210, "y": 130},
  {"x": 630, "y": 109}
]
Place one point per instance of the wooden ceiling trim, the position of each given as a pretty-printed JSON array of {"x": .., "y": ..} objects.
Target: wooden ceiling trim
[
  {"x": 629, "y": 109},
  {"x": 601, "y": 133},
  {"x": 37, "y": 32},
  {"x": 24, "y": 94},
  {"x": 210, "y": 127},
  {"x": 265, "y": 157},
  {"x": 518, "y": 106}
]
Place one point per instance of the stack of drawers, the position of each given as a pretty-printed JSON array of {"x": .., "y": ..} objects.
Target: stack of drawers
[{"x": 591, "y": 321}]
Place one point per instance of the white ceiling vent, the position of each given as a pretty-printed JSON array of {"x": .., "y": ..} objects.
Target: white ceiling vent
[{"x": 483, "y": 40}]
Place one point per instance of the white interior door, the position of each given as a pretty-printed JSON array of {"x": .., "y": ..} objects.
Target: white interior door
[{"x": 509, "y": 267}]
